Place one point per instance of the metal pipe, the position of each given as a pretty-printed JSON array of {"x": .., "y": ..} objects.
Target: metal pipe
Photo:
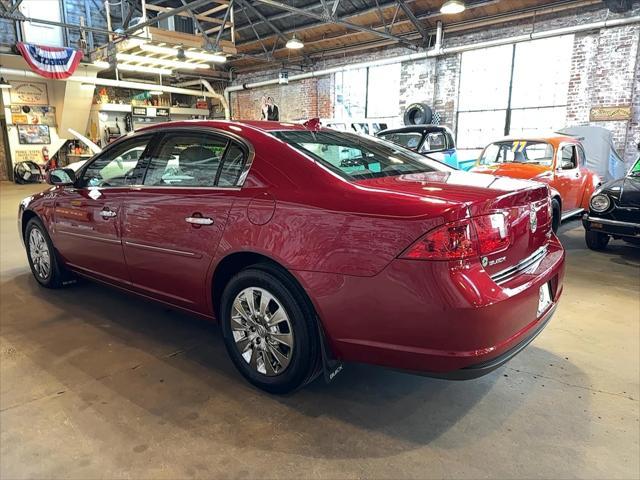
[
  {"x": 447, "y": 51},
  {"x": 108, "y": 82},
  {"x": 211, "y": 90}
]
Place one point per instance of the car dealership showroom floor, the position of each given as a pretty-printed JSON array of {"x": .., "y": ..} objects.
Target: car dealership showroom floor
[{"x": 96, "y": 383}]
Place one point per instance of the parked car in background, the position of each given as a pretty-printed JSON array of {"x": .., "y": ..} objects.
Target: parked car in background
[
  {"x": 366, "y": 126},
  {"x": 433, "y": 140},
  {"x": 309, "y": 246},
  {"x": 558, "y": 161},
  {"x": 614, "y": 211}
]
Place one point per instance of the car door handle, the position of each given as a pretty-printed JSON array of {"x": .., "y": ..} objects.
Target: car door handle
[
  {"x": 107, "y": 213},
  {"x": 199, "y": 220}
]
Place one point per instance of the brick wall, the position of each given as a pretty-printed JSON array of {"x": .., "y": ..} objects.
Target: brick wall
[{"x": 604, "y": 71}]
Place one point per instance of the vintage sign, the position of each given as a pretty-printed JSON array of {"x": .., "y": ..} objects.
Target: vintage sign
[
  {"x": 162, "y": 112},
  {"x": 604, "y": 114},
  {"x": 29, "y": 93},
  {"x": 139, "y": 111},
  {"x": 35, "y": 155},
  {"x": 33, "y": 115}
]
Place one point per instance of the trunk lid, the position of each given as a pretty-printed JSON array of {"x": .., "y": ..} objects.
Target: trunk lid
[
  {"x": 513, "y": 170},
  {"x": 525, "y": 204}
]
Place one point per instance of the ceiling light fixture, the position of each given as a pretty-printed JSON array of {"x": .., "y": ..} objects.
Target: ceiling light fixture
[
  {"x": 163, "y": 62},
  {"x": 453, "y": 6},
  {"x": 190, "y": 54},
  {"x": 4, "y": 84},
  {"x": 101, "y": 64},
  {"x": 87, "y": 86},
  {"x": 128, "y": 67},
  {"x": 294, "y": 43},
  {"x": 155, "y": 92}
]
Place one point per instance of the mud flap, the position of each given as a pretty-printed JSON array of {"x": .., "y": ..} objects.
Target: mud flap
[{"x": 331, "y": 366}]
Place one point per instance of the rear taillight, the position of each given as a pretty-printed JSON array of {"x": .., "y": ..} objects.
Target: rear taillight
[
  {"x": 492, "y": 233},
  {"x": 463, "y": 239}
]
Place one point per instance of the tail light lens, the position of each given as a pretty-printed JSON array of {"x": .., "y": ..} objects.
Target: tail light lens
[
  {"x": 492, "y": 233},
  {"x": 464, "y": 239}
]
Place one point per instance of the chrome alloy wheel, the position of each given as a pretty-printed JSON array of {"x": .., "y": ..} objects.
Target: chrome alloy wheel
[
  {"x": 262, "y": 331},
  {"x": 39, "y": 253}
]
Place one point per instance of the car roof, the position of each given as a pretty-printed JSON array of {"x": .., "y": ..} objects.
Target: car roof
[
  {"x": 554, "y": 139},
  {"x": 262, "y": 125}
]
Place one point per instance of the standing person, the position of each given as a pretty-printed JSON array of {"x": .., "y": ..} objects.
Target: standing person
[
  {"x": 264, "y": 108},
  {"x": 273, "y": 110}
]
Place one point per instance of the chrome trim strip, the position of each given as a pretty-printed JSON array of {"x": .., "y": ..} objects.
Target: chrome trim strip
[
  {"x": 610, "y": 222},
  {"x": 521, "y": 267},
  {"x": 571, "y": 213},
  {"x": 161, "y": 249},
  {"x": 91, "y": 237}
]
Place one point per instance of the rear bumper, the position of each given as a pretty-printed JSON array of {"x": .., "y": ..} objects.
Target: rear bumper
[
  {"x": 481, "y": 369},
  {"x": 614, "y": 228},
  {"x": 435, "y": 318}
]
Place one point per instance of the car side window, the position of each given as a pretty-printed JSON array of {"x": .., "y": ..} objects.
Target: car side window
[
  {"x": 232, "y": 164},
  {"x": 569, "y": 157},
  {"x": 186, "y": 160},
  {"x": 116, "y": 167}
]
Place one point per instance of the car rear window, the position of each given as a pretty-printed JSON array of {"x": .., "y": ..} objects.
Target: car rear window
[{"x": 358, "y": 157}]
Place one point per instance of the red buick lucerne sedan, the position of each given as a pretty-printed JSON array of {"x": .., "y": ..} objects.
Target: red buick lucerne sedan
[{"x": 309, "y": 246}]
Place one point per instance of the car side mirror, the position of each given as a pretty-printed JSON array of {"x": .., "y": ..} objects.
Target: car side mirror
[{"x": 61, "y": 177}]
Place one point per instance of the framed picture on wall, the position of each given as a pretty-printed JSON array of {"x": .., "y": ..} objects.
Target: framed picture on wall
[{"x": 33, "y": 134}]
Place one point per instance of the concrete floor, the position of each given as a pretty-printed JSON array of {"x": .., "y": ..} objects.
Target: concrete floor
[{"x": 95, "y": 383}]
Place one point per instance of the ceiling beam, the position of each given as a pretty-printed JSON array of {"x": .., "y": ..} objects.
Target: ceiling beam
[
  {"x": 337, "y": 21},
  {"x": 264, "y": 19},
  {"x": 170, "y": 13},
  {"x": 416, "y": 23}
]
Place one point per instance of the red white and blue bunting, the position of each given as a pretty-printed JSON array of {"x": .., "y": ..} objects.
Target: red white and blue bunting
[{"x": 51, "y": 62}]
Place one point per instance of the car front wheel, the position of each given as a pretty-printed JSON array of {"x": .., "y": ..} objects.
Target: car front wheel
[
  {"x": 596, "y": 240},
  {"x": 41, "y": 254},
  {"x": 269, "y": 330}
]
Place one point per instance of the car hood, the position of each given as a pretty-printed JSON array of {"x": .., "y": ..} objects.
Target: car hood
[
  {"x": 513, "y": 170},
  {"x": 626, "y": 190}
]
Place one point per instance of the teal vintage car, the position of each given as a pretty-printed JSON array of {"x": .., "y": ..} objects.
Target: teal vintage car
[{"x": 433, "y": 140}]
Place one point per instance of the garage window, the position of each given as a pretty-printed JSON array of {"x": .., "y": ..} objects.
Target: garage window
[
  {"x": 513, "y": 90},
  {"x": 372, "y": 92}
]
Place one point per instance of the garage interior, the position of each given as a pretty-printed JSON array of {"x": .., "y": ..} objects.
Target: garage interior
[{"x": 96, "y": 383}]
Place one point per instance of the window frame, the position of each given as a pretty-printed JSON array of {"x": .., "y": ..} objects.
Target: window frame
[
  {"x": 559, "y": 152},
  {"x": 153, "y": 146},
  {"x": 122, "y": 141},
  {"x": 230, "y": 137}
]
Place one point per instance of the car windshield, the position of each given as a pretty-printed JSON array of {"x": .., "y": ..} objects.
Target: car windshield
[
  {"x": 518, "y": 151},
  {"x": 635, "y": 170},
  {"x": 358, "y": 157},
  {"x": 406, "y": 139}
]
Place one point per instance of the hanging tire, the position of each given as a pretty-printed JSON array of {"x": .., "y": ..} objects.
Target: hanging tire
[
  {"x": 418, "y": 114},
  {"x": 41, "y": 255},
  {"x": 269, "y": 330},
  {"x": 596, "y": 240}
]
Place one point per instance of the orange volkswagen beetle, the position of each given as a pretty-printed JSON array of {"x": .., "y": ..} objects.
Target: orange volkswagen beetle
[{"x": 558, "y": 161}]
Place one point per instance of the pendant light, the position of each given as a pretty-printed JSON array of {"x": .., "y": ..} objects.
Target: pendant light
[{"x": 453, "y": 6}]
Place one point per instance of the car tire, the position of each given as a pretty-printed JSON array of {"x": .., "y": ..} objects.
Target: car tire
[
  {"x": 418, "y": 114},
  {"x": 276, "y": 366},
  {"x": 596, "y": 240},
  {"x": 556, "y": 215},
  {"x": 42, "y": 256}
]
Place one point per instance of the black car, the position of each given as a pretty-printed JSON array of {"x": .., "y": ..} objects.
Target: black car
[
  {"x": 435, "y": 140},
  {"x": 614, "y": 211}
]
